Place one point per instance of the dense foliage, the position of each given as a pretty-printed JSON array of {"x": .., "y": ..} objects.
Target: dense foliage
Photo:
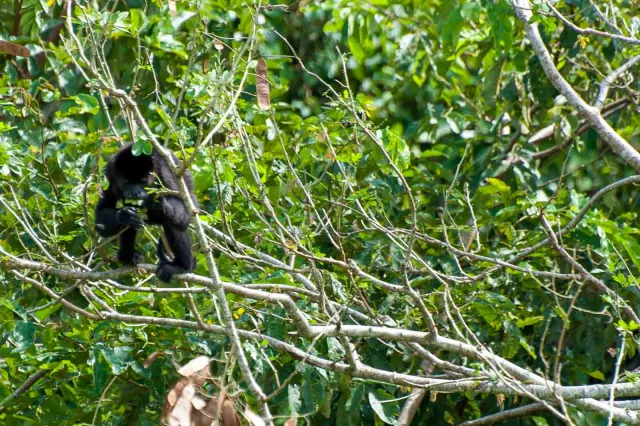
[{"x": 416, "y": 168}]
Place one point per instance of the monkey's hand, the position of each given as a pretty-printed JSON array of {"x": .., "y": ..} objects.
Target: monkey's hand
[{"x": 129, "y": 216}]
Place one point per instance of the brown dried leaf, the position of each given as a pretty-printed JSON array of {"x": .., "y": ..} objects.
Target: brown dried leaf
[
  {"x": 173, "y": 9},
  {"x": 229, "y": 417},
  {"x": 147, "y": 362},
  {"x": 291, "y": 422},
  {"x": 198, "y": 403},
  {"x": 181, "y": 413},
  {"x": 194, "y": 366},
  {"x": 172, "y": 397},
  {"x": 218, "y": 44},
  {"x": 176, "y": 391},
  {"x": 14, "y": 49},
  {"x": 208, "y": 415},
  {"x": 253, "y": 418},
  {"x": 262, "y": 85}
]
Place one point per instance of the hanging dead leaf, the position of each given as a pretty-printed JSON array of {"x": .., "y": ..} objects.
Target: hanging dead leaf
[
  {"x": 229, "y": 417},
  {"x": 181, "y": 413},
  {"x": 187, "y": 405},
  {"x": 147, "y": 362},
  {"x": 208, "y": 415},
  {"x": 173, "y": 9},
  {"x": 253, "y": 418},
  {"x": 262, "y": 85},
  {"x": 198, "y": 403},
  {"x": 176, "y": 391},
  {"x": 14, "y": 49},
  {"x": 218, "y": 44},
  {"x": 194, "y": 366},
  {"x": 172, "y": 398}
]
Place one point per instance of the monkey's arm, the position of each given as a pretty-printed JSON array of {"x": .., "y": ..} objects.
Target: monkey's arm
[
  {"x": 111, "y": 220},
  {"x": 106, "y": 211}
]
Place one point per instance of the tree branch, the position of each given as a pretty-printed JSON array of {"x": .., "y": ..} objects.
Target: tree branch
[
  {"x": 591, "y": 114},
  {"x": 31, "y": 380}
]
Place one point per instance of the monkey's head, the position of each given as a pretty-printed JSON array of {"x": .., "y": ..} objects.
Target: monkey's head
[{"x": 130, "y": 176}]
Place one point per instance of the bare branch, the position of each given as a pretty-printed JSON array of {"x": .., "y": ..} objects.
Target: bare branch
[
  {"x": 608, "y": 81},
  {"x": 619, "y": 145},
  {"x": 515, "y": 413},
  {"x": 25, "y": 386},
  {"x": 591, "y": 31}
]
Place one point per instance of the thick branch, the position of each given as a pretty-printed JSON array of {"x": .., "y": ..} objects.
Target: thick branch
[
  {"x": 515, "y": 413},
  {"x": 591, "y": 114}
]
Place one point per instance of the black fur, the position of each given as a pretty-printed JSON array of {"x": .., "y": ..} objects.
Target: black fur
[{"x": 128, "y": 177}]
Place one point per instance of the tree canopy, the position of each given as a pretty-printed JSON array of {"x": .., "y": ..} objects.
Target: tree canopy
[{"x": 410, "y": 212}]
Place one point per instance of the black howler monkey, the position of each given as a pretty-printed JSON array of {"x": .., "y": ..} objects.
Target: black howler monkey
[{"x": 130, "y": 179}]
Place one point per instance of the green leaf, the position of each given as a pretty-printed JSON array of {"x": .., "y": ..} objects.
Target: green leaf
[
  {"x": 87, "y": 104},
  {"x": 141, "y": 147},
  {"x": 524, "y": 322},
  {"x": 119, "y": 358},
  {"x": 396, "y": 147},
  {"x": 182, "y": 16},
  {"x": 491, "y": 82},
  {"x": 356, "y": 49},
  {"x": 630, "y": 326},
  {"x": 384, "y": 405},
  {"x": 632, "y": 247},
  {"x": 499, "y": 185},
  {"x": 168, "y": 43},
  {"x": 430, "y": 153},
  {"x": 100, "y": 373},
  {"x": 325, "y": 407},
  {"x": 451, "y": 31},
  {"x": 23, "y": 335},
  {"x": 294, "y": 399},
  {"x": 163, "y": 114},
  {"x": 471, "y": 11},
  {"x": 500, "y": 14},
  {"x": 138, "y": 19},
  {"x": 355, "y": 398},
  {"x": 540, "y": 421}
]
